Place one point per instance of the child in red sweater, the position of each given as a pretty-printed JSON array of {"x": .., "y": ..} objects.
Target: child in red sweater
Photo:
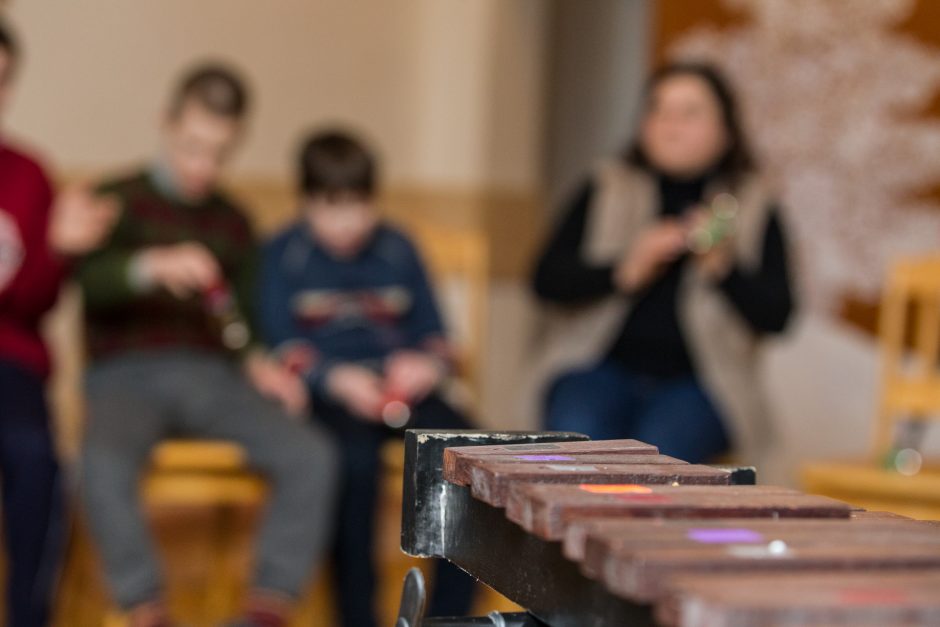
[{"x": 36, "y": 239}]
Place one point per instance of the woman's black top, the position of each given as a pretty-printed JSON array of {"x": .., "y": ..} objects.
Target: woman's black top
[{"x": 651, "y": 341}]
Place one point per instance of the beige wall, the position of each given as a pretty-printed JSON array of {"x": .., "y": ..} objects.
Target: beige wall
[
  {"x": 599, "y": 63},
  {"x": 450, "y": 89}
]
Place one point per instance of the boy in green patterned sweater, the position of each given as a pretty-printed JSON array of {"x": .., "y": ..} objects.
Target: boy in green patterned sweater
[{"x": 168, "y": 307}]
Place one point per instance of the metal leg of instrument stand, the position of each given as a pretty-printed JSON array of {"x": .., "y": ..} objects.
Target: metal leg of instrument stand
[{"x": 414, "y": 600}]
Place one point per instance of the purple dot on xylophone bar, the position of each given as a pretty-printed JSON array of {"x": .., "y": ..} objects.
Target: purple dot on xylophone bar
[
  {"x": 545, "y": 458},
  {"x": 724, "y": 536}
]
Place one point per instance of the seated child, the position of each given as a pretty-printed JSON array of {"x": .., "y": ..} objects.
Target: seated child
[
  {"x": 345, "y": 301},
  {"x": 168, "y": 302}
]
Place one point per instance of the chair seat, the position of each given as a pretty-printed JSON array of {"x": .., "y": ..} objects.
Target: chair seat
[
  {"x": 868, "y": 485},
  {"x": 200, "y": 489},
  {"x": 203, "y": 455},
  {"x": 201, "y": 473}
]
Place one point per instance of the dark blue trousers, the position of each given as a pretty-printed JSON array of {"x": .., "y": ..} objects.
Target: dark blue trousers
[
  {"x": 608, "y": 402},
  {"x": 32, "y": 503},
  {"x": 353, "y": 548}
]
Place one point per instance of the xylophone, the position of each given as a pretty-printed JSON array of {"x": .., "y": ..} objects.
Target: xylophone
[{"x": 601, "y": 533}]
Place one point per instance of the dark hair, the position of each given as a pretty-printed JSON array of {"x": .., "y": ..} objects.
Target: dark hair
[
  {"x": 217, "y": 87},
  {"x": 333, "y": 162},
  {"x": 8, "y": 41},
  {"x": 737, "y": 159}
]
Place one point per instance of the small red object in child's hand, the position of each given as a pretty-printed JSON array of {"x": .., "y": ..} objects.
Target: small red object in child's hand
[
  {"x": 221, "y": 307},
  {"x": 396, "y": 412},
  {"x": 298, "y": 359},
  {"x": 216, "y": 296}
]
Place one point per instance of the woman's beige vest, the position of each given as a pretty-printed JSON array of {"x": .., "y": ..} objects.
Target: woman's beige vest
[{"x": 722, "y": 346}]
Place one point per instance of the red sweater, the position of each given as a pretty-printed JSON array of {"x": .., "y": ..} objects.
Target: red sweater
[{"x": 30, "y": 274}]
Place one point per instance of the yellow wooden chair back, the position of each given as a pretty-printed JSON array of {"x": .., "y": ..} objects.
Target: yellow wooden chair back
[
  {"x": 458, "y": 262},
  {"x": 909, "y": 337}
]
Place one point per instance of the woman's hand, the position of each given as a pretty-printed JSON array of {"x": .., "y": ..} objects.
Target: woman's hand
[
  {"x": 653, "y": 250},
  {"x": 717, "y": 260}
]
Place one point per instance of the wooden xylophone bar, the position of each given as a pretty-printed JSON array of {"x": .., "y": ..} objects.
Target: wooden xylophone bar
[
  {"x": 612, "y": 533},
  {"x": 442, "y": 519}
]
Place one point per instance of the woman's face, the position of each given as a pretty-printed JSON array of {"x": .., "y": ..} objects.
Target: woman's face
[{"x": 683, "y": 133}]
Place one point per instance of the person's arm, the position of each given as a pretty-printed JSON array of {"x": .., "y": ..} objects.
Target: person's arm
[
  {"x": 278, "y": 327},
  {"x": 764, "y": 297},
  {"x": 245, "y": 285},
  {"x": 275, "y": 322},
  {"x": 414, "y": 371},
  {"x": 562, "y": 275},
  {"x": 35, "y": 287},
  {"x": 424, "y": 323},
  {"x": 105, "y": 279},
  {"x": 108, "y": 276}
]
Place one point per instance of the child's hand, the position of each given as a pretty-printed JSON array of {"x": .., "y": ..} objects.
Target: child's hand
[
  {"x": 274, "y": 381},
  {"x": 358, "y": 389},
  {"x": 413, "y": 375},
  {"x": 80, "y": 221},
  {"x": 183, "y": 269}
]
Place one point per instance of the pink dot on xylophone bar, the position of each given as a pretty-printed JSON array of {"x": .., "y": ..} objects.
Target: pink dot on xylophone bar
[{"x": 873, "y": 596}]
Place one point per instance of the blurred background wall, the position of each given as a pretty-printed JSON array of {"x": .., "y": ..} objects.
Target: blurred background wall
[
  {"x": 436, "y": 84},
  {"x": 841, "y": 100},
  {"x": 488, "y": 112}
]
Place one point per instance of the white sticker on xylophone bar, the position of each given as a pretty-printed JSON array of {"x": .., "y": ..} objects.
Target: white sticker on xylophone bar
[
  {"x": 562, "y": 467},
  {"x": 774, "y": 550}
]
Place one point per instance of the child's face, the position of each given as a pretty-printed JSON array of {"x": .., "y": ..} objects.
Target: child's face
[
  {"x": 342, "y": 223},
  {"x": 197, "y": 145}
]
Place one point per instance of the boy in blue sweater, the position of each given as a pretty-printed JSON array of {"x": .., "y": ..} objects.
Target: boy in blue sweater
[{"x": 346, "y": 302}]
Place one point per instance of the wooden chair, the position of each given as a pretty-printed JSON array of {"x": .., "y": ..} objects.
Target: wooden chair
[
  {"x": 909, "y": 338},
  {"x": 910, "y": 317},
  {"x": 458, "y": 261}
]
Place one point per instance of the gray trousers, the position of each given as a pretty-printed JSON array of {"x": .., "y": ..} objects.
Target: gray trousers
[{"x": 137, "y": 400}]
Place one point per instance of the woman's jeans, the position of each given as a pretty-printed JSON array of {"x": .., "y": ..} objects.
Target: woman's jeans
[{"x": 608, "y": 402}]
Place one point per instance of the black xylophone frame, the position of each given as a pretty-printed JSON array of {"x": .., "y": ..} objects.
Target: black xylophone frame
[{"x": 440, "y": 519}]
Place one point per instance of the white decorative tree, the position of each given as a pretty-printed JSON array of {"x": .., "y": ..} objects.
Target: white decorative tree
[{"x": 834, "y": 99}]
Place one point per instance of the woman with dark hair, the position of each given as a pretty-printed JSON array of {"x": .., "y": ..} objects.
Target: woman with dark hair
[{"x": 668, "y": 266}]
